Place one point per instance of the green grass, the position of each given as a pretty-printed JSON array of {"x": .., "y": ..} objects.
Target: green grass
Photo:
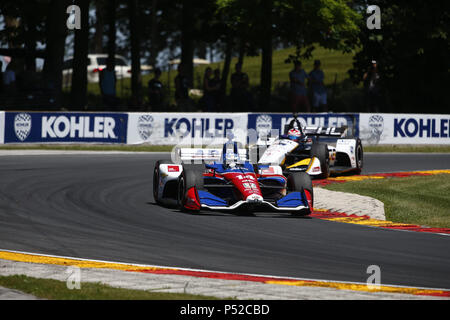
[
  {"x": 408, "y": 148},
  {"x": 57, "y": 290},
  {"x": 422, "y": 200}
]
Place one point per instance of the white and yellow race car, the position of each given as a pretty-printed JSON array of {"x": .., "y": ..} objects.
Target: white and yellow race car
[{"x": 319, "y": 151}]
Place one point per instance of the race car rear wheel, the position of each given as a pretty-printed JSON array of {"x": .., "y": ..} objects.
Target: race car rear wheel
[
  {"x": 359, "y": 155},
  {"x": 156, "y": 179},
  {"x": 320, "y": 151},
  {"x": 300, "y": 180},
  {"x": 192, "y": 176}
]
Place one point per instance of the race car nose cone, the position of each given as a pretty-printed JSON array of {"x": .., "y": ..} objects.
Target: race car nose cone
[{"x": 254, "y": 198}]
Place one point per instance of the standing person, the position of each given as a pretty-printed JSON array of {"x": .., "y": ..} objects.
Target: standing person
[
  {"x": 240, "y": 97},
  {"x": 155, "y": 92},
  {"x": 371, "y": 87},
  {"x": 108, "y": 86},
  {"x": 182, "y": 87},
  {"x": 318, "y": 90},
  {"x": 298, "y": 97}
]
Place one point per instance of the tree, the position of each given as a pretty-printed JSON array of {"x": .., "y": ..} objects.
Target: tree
[
  {"x": 136, "y": 81},
  {"x": 154, "y": 33},
  {"x": 111, "y": 21},
  {"x": 56, "y": 29},
  {"x": 187, "y": 39},
  {"x": 266, "y": 48},
  {"x": 100, "y": 11},
  {"x": 78, "y": 94},
  {"x": 329, "y": 23},
  {"x": 411, "y": 49}
]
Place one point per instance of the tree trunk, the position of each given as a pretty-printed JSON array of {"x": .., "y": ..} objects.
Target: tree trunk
[
  {"x": 111, "y": 20},
  {"x": 266, "y": 63},
  {"x": 56, "y": 37},
  {"x": 99, "y": 26},
  {"x": 136, "y": 81},
  {"x": 187, "y": 41},
  {"x": 241, "y": 51},
  {"x": 154, "y": 48},
  {"x": 31, "y": 38},
  {"x": 201, "y": 49},
  {"x": 227, "y": 63},
  {"x": 78, "y": 96}
]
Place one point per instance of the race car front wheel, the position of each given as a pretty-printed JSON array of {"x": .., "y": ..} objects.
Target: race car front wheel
[
  {"x": 156, "y": 178},
  {"x": 192, "y": 176},
  {"x": 359, "y": 154},
  {"x": 320, "y": 151},
  {"x": 300, "y": 180}
]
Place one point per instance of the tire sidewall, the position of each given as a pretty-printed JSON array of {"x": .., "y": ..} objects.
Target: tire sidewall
[
  {"x": 320, "y": 151},
  {"x": 359, "y": 154}
]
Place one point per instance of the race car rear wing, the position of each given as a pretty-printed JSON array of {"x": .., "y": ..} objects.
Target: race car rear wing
[
  {"x": 325, "y": 131},
  {"x": 204, "y": 155}
]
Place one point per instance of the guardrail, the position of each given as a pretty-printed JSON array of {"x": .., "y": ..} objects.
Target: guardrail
[{"x": 171, "y": 128}]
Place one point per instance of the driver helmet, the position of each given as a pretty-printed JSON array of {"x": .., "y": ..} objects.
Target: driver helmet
[
  {"x": 231, "y": 159},
  {"x": 294, "y": 134}
]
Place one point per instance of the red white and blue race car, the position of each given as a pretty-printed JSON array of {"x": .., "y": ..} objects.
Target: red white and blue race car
[{"x": 229, "y": 182}]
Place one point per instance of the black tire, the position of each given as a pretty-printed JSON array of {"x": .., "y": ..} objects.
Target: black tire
[
  {"x": 359, "y": 156},
  {"x": 156, "y": 179},
  {"x": 300, "y": 180},
  {"x": 320, "y": 151},
  {"x": 192, "y": 176}
]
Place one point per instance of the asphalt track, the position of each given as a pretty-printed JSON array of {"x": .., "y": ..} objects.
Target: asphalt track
[{"x": 101, "y": 207}]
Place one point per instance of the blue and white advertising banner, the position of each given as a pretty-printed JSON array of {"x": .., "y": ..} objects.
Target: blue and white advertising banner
[
  {"x": 185, "y": 128},
  {"x": 263, "y": 123},
  {"x": 65, "y": 127},
  {"x": 2, "y": 127},
  {"x": 392, "y": 128}
]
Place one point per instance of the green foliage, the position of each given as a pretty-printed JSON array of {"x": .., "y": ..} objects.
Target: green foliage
[
  {"x": 57, "y": 290},
  {"x": 412, "y": 51}
]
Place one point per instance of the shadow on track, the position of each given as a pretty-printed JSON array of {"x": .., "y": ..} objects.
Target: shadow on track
[{"x": 235, "y": 213}]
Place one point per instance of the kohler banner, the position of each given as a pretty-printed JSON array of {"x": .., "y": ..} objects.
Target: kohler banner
[
  {"x": 65, "y": 127},
  {"x": 185, "y": 128},
  {"x": 390, "y": 128},
  {"x": 263, "y": 123}
]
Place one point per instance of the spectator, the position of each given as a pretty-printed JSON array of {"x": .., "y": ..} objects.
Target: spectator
[
  {"x": 372, "y": 89},
  {"x": 298, "y": 96},
  {"x": 182, "y": 87},
  {"x": 210, "y": 89},
  {"x": 155, "y": 92},
  {"x": 108, "y": 86},
  {"x": 318, "y": 90},
  {"x": 241, "y": 99}
]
